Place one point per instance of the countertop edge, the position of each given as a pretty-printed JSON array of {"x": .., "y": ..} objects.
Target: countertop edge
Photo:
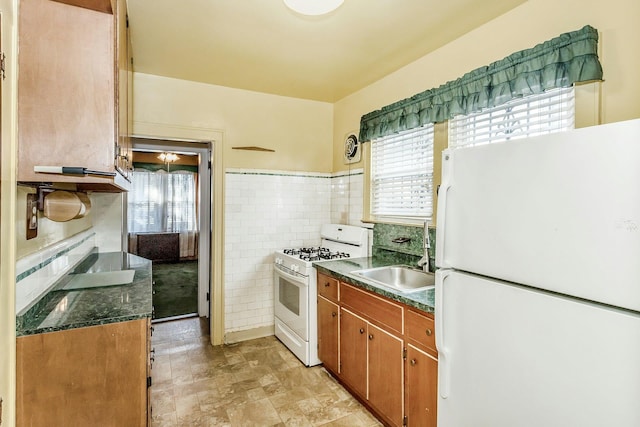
[{"x": 97, "y": 322}]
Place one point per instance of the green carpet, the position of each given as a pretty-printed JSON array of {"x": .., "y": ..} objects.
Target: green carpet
[{"x": 175, "y": 289}]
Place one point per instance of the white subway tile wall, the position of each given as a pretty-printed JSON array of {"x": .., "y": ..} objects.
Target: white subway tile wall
[
  {"x": 346, "y": 197},
  {"x": 37, "y": 272},
  {"x": 270, "y": 210}
]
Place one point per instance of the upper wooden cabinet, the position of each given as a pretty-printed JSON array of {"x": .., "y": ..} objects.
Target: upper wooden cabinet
[
  {"x": 105, "y": 6},
  {"x": 68, "y": 92}
]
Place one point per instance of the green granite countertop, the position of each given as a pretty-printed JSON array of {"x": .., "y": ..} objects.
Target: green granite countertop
[
  {"x": 342, "y": 268},
  {"x": 62, "y": 309}
]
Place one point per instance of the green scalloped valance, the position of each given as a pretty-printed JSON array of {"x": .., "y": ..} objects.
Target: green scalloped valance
[{"x": 559, "y": 62}]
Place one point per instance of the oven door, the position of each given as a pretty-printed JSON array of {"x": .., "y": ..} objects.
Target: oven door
[{"x": 291, "y": 294}]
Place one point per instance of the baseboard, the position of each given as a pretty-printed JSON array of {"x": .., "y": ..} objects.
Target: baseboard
[{"x": 248, "y": 334}]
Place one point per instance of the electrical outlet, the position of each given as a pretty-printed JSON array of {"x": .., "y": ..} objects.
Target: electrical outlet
[{"x": 32, "y": 216}]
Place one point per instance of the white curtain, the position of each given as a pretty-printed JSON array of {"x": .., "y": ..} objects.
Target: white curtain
[{"x": 164, "y": 202}]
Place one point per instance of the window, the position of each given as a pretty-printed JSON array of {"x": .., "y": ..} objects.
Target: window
[
  {"x": 402, "y": 175},
  {"x": 161, "y": 202},
  {"x": 548, "y": 112}
]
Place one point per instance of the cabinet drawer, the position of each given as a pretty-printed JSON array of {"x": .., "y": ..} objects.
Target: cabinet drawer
[
  {"x": 420, "y": 329},
  {"x": 377, "y": 310},
  {"x": 328, "y": 287}
]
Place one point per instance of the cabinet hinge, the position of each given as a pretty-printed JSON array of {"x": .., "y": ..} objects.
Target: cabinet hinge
[
  {"x": 404, "y": 354},
  {"x": 404, "y": 420},
  {"x": 3, "y": 63},
  {"x": 127, "y": 20},
  {"x": 148, "y": 382},
  {"x": 207, "y": 296}
]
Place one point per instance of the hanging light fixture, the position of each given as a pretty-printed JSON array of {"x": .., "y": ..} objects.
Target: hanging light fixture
[
  {"x": 168, "y": 157},
  {"x": 313, "y": 7}
]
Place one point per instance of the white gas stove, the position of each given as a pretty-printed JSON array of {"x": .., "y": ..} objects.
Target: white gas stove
[{"x": 295, "y": 284}]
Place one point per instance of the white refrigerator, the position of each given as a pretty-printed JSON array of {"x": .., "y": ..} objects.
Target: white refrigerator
[{"x": 538, "y": 289}]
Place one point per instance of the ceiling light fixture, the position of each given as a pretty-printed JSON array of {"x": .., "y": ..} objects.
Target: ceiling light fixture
[
  {"x": 168, "y": 157},
  {"x": 313, "y": 7}
]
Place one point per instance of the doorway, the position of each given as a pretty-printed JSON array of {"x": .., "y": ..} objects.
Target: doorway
[{"x": 168, "y": 220}]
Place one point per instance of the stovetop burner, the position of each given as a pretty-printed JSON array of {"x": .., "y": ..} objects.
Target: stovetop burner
[{"x": 316, "y": 253}]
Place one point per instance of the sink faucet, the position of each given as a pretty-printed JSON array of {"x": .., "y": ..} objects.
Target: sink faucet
[{"x": 424, "y": 261}]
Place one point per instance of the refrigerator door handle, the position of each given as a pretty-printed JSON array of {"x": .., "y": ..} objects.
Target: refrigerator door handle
[
  {"x": 443, "y": 359},
  {"x": 442, "y": 207}
]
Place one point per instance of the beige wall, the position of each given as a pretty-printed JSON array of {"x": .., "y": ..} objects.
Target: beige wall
[
  {"x": 525, "y": 26},
  {"x": 300, "y": 131},
  {"x": 7, "y": 212}
]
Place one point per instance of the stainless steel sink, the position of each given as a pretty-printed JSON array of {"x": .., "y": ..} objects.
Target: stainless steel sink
[{"x": 398, "y": 277}]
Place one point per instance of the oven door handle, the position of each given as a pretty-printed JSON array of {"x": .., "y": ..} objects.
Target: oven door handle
[{"x": 301, "y": 280}]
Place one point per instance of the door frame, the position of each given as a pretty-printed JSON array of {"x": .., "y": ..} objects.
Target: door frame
[
  {"x": 216, "y": 137},
  {"x": 203, "y": 150}
]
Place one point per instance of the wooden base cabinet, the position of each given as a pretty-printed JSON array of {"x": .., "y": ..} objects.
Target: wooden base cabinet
[
  {"x": 371, "y": 364},
  {"x": 92, "y": 376},
  {"x": 385, "y": 367},
  {"x": 371, "y": 351},
  {"x": 328, "y": 333},
  {"x": 421, "y": 388},
  {"x": 386, "y": 354},
  {"x": 353, "y": 351}
]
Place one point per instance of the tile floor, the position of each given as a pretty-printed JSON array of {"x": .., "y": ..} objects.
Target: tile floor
[{"x": 253, "y": 383}]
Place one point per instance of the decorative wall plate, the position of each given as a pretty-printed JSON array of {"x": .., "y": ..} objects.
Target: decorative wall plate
[{"x": 352, "y": 151}]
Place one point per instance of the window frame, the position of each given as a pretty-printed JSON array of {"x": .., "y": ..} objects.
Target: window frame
[{"x": 428, "y": 130}]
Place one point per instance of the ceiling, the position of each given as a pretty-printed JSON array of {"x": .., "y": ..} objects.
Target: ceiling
[{"x": 261, "y": 45}]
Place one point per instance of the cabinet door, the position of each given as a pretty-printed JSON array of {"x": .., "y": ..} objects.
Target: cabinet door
[
  {"x": 328, "y": 333},
  {"x": 422, "y": 388},
  {"x": 353, "y": 351},
  {"x": 386, "y": 374},
  {"x": 66, "y": 92}
]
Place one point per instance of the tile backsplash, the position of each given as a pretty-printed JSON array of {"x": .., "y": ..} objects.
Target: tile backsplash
[
  {"x": 37, "y": 272},
  {"x": 385, "y": 234}
]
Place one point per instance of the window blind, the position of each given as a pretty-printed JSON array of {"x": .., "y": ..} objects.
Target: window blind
[
  {"x": 547, "y": 112},
  {"x": 402, "y": 174}
]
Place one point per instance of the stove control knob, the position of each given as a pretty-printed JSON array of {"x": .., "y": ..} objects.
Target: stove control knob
[{"x": 295, "y": 268}]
